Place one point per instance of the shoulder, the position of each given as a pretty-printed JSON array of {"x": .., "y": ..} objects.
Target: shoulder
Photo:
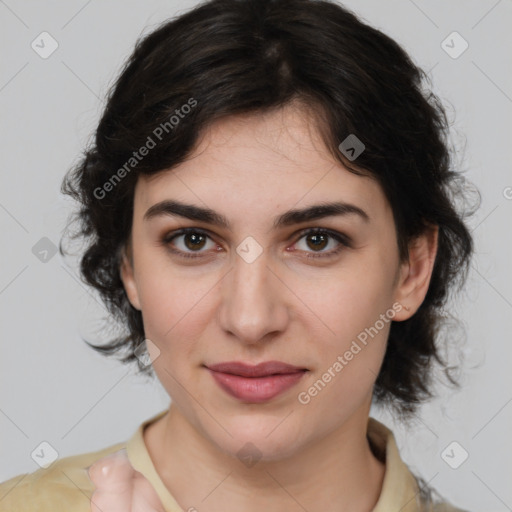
[
  {"x": 446, "y": 507},
  {"x": 429, "y": 500},
  {"x": 63, "y": 486}
]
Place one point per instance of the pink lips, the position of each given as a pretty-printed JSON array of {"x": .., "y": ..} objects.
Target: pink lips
[{"x": 258, "y": 383}]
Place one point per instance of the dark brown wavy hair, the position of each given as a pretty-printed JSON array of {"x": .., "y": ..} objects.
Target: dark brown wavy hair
[{"x": 229, "y": 57}]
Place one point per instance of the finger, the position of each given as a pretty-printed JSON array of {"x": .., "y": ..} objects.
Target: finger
[
  {"x": 104, "y": 501},
  {"x": 112, "y": 473},
  {"x": 113, "y": 477},
  {"x": 145, "y": 497}
]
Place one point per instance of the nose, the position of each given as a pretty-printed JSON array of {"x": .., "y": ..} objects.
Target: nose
[{"x": 253, "y": 305}]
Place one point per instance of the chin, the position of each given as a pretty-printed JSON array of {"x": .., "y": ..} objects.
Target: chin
[{"x": 258, "y": 438}]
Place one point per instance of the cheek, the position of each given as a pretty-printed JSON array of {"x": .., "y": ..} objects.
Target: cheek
[
  {"x": 351, "y": 300},
  {"x": 349, "y": 332},
  {"x": 173, "y": 314},
  {"x": 173, "y": 306},
  {"x": 167, "y": 292},
  {"x": 349, "y": 356}
]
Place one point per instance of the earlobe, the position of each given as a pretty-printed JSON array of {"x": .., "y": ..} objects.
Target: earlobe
[
  {"x": 416, "y": 273},
  {"x": 128, "y": 278}
]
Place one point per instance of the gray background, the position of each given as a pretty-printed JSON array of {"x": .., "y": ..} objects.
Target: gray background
[{"x": 54, "y": 388}]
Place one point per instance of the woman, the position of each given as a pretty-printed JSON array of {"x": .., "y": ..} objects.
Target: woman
[{"x": 269, "y": 209}]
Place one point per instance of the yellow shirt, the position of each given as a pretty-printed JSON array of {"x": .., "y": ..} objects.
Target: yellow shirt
[{"x": 65, "y": 485}]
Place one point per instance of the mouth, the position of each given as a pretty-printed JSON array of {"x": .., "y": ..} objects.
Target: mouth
[{"x": 256, "y": 384}]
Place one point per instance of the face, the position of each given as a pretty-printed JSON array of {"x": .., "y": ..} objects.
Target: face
[{"x": 265, "y": 286}]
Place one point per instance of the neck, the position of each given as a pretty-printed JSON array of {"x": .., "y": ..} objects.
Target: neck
[{"x": 336, "y": 473}]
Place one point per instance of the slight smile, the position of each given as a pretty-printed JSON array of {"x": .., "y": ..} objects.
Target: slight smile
[{"x": 256, "y": 383}]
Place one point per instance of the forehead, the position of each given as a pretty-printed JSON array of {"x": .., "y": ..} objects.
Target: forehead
[{"x": 260, "y": 163}]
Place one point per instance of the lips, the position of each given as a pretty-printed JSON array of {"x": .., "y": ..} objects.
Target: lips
[
  {"x": 260, "y": 370},
  {"x": 256, "y": 384}
]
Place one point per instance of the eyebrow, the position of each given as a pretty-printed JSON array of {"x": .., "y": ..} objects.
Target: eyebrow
[{"x": 170, "y": 207}]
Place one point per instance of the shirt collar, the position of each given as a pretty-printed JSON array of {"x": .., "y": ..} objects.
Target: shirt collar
[{"x": 400, "y": 491}]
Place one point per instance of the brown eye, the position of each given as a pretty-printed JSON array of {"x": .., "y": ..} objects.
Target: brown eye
[
  {"x": 194, "y": 240},
  {"x": 317, "y": 239},
  {"x": 188, "y": 243}
]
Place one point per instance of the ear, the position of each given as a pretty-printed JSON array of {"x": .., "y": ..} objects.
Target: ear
[
  {"x": 415, "y": 273},
  {"x": 128, "y": 278}
]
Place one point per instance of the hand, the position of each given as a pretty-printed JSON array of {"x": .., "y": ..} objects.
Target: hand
[{"x": 120, "y": 488}]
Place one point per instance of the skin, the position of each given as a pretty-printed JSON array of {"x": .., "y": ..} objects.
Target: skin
[
  {"x": 119, "y": 488},
  {"x": 283, "y": 306}
]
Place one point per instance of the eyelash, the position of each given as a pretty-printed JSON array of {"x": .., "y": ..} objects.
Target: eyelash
[{"x": 344, "y": 241}]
